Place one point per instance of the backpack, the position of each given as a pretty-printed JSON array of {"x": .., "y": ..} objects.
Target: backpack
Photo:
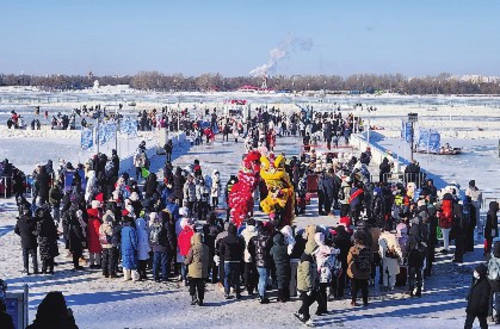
[
  {"x": 493, "y": 269},
  {"x": 154, "y": 234},
  {"x": 363, "y": 260},
  {"x": 105, "y": 238},
  {"x": 326, "y": 269}
]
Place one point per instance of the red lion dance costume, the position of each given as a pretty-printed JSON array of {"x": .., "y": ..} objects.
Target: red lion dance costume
[
  {"x": 280, "y": 201},
  {"x": 241, "y": 196}
]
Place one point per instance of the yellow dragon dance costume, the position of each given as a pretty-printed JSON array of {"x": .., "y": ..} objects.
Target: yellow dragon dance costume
[{"x": 280, "y": 201}]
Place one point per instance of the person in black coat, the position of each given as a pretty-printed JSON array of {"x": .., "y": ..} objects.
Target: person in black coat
[
  {"x": 47, "y": 239},
  {"x": 366, "y": 156},
  {"x": 415, "y": 253},
  {"x": 342, "y": 241},
  {"x": 18, "y": 183},
  {"x": 116, "y": 166},
  {"x": 412, "y": 171},
  {"x": 459, "y": 227},
  {"x": 6, "y": 321},
  {"x": 77, "y": 235},
  {"x": 43, "y": 185},
  {"x": 385, "y": 168},
  {"x": 151, "y": 185},
  {"x": 26, "y": 229},
  {"x": 491, "y": 226},
  {"x": 178, "y": 185},
  {"x": 210, "y": 232},
  {"x": 328, "y": 190},
  {"x": 260, "y": 249},
  {"x": 282, "y": 263},
  {"x": 478, "y": 299},
  {"x": 168, "y": 147},
  {"x": 231, "y": 250},
  {"x": 53, "y": 313},
  {"x": 328, "y": 133}
]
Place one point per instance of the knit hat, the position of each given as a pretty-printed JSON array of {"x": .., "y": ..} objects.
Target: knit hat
[
  {"x": 472, "y": 183},
  {"x": 134, "y": 196},
  {"x": 183, "y": 211},
  {"x": 95, "y": 204},
  {"x": 423, "y": 215},
  {"x": 482, "y": 270}
]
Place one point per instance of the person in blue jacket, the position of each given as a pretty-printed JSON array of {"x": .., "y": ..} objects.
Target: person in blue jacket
[{"x": 129, "y": 248}]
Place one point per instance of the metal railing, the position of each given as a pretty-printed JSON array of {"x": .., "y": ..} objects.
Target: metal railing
[
  {"x": 6, "y": 186},
  {"x": 405, "y": 178}
]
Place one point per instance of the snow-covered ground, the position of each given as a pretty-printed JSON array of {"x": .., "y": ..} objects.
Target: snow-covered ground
[{"x": 99, "y": 302}]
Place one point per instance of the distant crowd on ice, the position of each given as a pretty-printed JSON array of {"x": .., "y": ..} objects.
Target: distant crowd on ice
[{"x": 140, "y": 228}]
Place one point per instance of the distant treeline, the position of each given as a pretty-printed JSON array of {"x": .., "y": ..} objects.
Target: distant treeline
[{"x": 359, "y": 83}]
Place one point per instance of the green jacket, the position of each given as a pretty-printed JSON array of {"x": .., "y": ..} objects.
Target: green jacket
[
  {"x": 198, "y": 258},
  {"x": 306, "y": 273}
]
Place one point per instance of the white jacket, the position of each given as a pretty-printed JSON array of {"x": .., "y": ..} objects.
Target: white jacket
[{"x": 387, "y": 241}]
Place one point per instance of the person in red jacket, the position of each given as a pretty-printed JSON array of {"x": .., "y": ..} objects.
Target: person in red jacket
[
  {"x": 93, "y": 226},
  {"x": 446, "y": 219},
  {"x": 184, "y": 244}
]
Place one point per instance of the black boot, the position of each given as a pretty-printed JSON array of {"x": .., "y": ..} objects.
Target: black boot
[{"x": 281, "y": 298}]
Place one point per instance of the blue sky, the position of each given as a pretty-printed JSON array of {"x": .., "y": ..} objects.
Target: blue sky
[{"x": 232, "y": 37}]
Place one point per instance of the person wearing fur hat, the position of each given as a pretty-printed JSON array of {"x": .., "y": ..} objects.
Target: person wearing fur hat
[
  {"x": 478, "y": 298},
  {"x": 197, "y": 260}
]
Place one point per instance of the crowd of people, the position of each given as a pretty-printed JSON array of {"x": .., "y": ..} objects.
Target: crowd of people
[{"x": 387, "y": 236}]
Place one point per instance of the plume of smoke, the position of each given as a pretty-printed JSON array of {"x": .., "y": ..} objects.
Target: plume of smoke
[{"x": 285, "y": 48}]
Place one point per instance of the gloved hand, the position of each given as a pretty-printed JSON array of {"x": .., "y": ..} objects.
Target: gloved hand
[{"x": 217, "y": 260}]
